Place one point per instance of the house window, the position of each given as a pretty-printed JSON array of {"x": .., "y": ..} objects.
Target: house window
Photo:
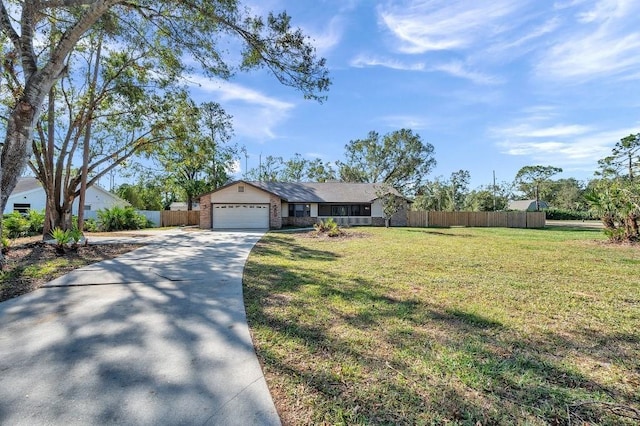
[
  {"x": 240, "y": 188},
  {"x": 344, "y": 210},
  {"x": 87, "y": 207},
  {"x": 299, "y": 210},
  {"x": 21, "y": 208}
]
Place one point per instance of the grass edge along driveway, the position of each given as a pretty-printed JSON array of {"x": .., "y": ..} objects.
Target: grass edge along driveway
[{"x": 456, "y": 326}]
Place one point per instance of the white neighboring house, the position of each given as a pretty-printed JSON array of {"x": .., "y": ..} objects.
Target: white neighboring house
[{"x": 29, "y": 194}]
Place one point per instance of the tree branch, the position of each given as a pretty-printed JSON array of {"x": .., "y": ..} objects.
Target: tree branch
[{"x": 7, "y": 28}]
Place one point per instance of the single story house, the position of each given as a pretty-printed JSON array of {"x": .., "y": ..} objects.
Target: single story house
[
  {"x": 29, "y": 194},
  {"x": 527, "y": 205},
  {"x": 262, "y": 205}
]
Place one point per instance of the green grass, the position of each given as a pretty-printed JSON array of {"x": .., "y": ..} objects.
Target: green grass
[{"x": 456, "y": 326}]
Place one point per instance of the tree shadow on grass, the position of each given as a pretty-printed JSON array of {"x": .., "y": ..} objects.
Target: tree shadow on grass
[
  {"x": 376, "y": 358},
  {"x": 434, "y": 231},
  {"x": 156, "y": 351},
  {"x": 292, "y": 250},
  {"x": 573, "y": 229}
]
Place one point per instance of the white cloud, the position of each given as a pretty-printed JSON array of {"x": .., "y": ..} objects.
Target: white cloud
[
  {"x": 327, "y": 38},
  {"x": 255, "y": 114},
  {"x": 529, "y": 131},
  {"x": 454, "y": 68},
  {"x": 429, "y": 25},
  {"x": 458, "y": 69},
  {"x": 603, "y": 43},
  {"x": 563, "y": 145},
  {"x": 362, "y": 61}
]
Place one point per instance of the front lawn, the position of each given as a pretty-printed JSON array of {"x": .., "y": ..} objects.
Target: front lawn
[{"x": 448, "y": 326}]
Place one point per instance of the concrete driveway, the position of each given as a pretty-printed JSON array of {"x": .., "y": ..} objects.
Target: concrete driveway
[{"x": 157, "y": 336}]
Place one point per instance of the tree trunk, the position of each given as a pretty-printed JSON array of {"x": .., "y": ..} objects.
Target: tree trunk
[
  {"x": 87, "y": 139},
  {"x": 16, "y": 149},
  {"x": 24, "y": 116}
]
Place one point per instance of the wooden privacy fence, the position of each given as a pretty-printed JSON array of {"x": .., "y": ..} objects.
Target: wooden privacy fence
[
  {"x": 480, "y": 219},
  {"x": 179, "y": 218}
]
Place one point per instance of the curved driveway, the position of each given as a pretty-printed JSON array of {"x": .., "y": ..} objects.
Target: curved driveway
[{"x": 157, "y": 336}]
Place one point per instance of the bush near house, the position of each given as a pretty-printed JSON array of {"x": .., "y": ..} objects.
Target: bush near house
[
  {"x": 16, "y": 225},
  {"x": 120, "y": 219}
]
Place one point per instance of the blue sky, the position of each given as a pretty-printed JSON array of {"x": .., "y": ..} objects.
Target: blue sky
[{"x": 492, "y": 84}]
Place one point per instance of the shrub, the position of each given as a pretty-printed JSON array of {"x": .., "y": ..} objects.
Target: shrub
[
  {"x": 62, "y": 237},
  {"x": 564, "y": 214},
  {"x": 90, "y": 225},
  {"x": 36, "y": 221},
  {"x": 6, "y": 245},
  {"x": 15, "y": 225},
  {"x": 75, "y": 235},
  {"x": 121, "y": 218},
  {"x": 329, "y": 227}
]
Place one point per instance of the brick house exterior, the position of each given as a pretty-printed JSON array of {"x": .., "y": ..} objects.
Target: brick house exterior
[{"x": 244, "y": 204}]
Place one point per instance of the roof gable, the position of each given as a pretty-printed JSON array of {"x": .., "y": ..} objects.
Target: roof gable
[
  {"x": 526, "y": 205},
  {"x": 28, "y": 184}
]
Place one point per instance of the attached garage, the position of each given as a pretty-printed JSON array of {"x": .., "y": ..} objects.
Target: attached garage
[{"x": 240, "y": 216}]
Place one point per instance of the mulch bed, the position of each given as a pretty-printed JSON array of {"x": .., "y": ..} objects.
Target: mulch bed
[{"x": 22, "y": 255}]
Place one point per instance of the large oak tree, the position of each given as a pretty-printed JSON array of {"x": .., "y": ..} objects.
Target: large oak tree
[
  {"x": 35, "y": 57},
  {"x": 399, "y": 159}
]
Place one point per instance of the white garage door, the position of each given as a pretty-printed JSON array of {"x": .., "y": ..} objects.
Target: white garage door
[{"x": 240, "y": 216}]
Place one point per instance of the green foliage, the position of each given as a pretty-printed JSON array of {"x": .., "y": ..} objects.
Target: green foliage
[
  {"x": 328, "y": 226},
  {"x": 391, "y": 202},
  {"x": 567, "y": 194},
  {"x": 400, "y": 159},
  {"x": 6, "y": 244},
  {"x": 533, "y": 179},
  {"x": 36, "y": 221},
  {"x": 488, "y": 198},
  {"x": 61, "y": 236},
  {"x": 270, "y": 170},
  {"x": 617, "y": 203},
  {"x": 120, "y": 219},
  {"x": 566, "y": 214},
  {"x": 459, "y": 183},
  {"x": 624, "y": 159},
  {"x": 131, "y": 92},
  {"x": 296, "y": 169},
  {"x": 75, "y": 235},
  {"x": 90, "y": 225},
  {"x": 196, "y": 159},
  {"x": 617, "y": 200},
  {"x": 15, "y": 225}
]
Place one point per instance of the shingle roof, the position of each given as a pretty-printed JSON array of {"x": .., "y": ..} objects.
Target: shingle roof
[
  {"x": 29, "y": 183},
  {"x": 26, "y": 184},
  {"x": 525, "y": 205},
  {"x": 326, "y": 192}
]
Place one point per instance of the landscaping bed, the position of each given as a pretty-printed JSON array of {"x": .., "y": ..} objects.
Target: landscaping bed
[{"x": 29, "y": 263}]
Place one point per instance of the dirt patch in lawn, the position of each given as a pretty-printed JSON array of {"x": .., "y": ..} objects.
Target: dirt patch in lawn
[
  {"x": 344, "y": 235},
  {"x": 29, "y": 264}
]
